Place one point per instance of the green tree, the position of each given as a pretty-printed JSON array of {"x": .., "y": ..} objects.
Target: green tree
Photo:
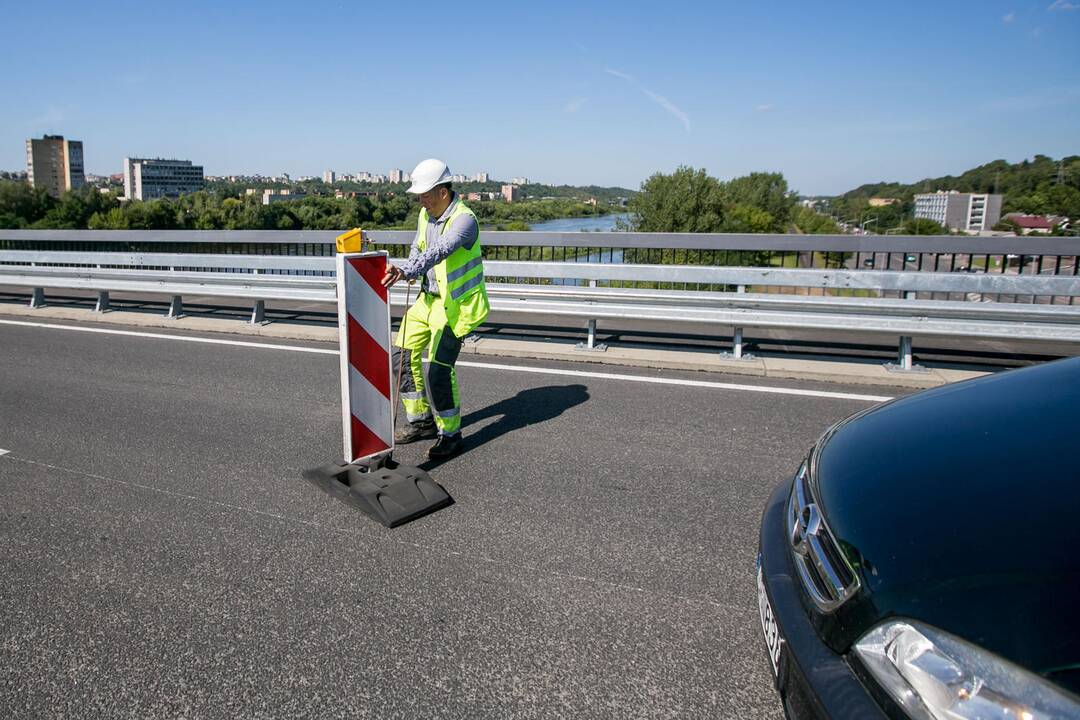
[
  {"x": 687, "y": 200},
  {"x": 114, "y": 219},
  {"x": 22, "y": 205},
  {"x": 767, "y": 192},
  {"x": 75, "y": 209},
  {"x": 748, "y": 219},
  {"x": 814, "y": 223},
  {"x": 924, "y": 226}
]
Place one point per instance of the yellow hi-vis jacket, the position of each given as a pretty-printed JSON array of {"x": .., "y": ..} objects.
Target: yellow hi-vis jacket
[{"x": 460, "y": 277}]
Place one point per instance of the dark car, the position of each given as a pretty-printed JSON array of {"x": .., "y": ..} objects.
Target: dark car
[{"x": 924, "y": 561}]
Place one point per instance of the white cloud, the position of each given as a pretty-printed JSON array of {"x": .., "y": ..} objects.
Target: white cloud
[
  {"x": 1063, "y": 5},
  {"x": 669, "y": 106},
  {"x": 573, "y": 105},
  {"x": 764, "y": 108},
  {"x": 1008, "y": 19},
  {"x": 624, "y": 76},
  {"x": 655, "y": 97}
]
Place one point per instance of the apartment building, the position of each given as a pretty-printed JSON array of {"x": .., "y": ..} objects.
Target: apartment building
[
  {"x": 150, "y": 178},
  {"x": 55, "y": 164}
]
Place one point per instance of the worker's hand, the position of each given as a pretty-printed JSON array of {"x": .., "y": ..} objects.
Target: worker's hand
[{"x": 393, "y": 274}]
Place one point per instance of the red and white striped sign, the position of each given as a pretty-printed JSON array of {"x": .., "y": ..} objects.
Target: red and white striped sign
[{"x": 364, "y": 331}]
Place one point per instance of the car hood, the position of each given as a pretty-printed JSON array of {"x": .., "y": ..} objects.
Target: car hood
[{"x": 960, "y": 507}]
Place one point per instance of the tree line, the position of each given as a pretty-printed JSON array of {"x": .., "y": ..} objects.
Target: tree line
[
  {"x": 690, "y": 200},
  {"x": 22, "y": 206},
  {"x": 316, "y": 186}
]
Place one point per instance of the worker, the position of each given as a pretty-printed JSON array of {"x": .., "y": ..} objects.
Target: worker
[{"x": 445, "y": 256}]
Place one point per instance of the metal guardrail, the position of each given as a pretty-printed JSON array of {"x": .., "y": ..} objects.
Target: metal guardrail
[
  {"x": 940, "y": 244},
  {"x": 247, "y": 276},
  {"x": 885, "y": 280},
  {"x": 994, "y": 255},
  {"x": 322, "y": 289}
]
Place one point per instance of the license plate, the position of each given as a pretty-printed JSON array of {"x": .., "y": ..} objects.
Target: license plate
[{"x": 769, "y": 627}]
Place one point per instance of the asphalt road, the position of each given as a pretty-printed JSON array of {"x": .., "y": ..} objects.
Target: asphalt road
[{"x": 163, "y": 558}]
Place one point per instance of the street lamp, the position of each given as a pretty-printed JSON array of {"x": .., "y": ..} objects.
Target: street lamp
[{"x": 867, "y": 222}]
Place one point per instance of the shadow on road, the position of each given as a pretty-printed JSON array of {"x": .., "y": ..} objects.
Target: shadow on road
[{"x": 528, "y": 407}]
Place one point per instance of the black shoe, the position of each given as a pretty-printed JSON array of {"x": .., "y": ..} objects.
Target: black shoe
[
  {"x": 446, "y": 447},
  {"x": 415, "y": 431}
]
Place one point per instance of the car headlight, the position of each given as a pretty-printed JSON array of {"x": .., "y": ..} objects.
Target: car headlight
[{"x": 937, "y": 676}]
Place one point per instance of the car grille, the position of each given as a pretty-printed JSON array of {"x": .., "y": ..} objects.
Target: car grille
[{"x": 825, "y": 573}]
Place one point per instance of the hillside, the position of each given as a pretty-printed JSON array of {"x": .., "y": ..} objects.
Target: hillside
[{"x": 1041, "y": 186}]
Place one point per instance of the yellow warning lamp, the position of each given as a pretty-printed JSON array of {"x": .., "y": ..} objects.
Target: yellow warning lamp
[{"x": 351, "y": 241}]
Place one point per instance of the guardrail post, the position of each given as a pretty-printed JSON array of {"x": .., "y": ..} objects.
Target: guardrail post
[
  {"x": 738, "y": 347},
  {"x": 176, "y": 307},
  {"x": 904, "y": 356},
  {"x": 102, "y": 301},
  {"x": 258, "y": 313},
  {"x": 590, "y": 344},
  {"x": 37, "y": 297}
]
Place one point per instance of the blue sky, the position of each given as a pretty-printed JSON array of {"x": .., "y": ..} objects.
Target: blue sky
[{"x": 831, "y": 94}]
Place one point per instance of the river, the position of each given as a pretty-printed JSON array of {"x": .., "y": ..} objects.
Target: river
[
  {"x": 594, "y": 223},
  {"x": 601, "y": 223}
]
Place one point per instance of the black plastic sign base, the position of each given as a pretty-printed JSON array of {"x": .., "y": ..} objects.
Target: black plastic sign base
[{"x": 389, "y": 493}]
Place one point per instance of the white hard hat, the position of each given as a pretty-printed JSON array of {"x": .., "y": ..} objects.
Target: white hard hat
[{"x": 427, "y": 175}]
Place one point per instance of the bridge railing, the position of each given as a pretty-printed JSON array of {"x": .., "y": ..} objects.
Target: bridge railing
[
  {"x": 597, "y": 290},
  {"x": 990, "y": 255}
]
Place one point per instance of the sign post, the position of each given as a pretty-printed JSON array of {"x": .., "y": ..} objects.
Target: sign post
[{"x": 369, "y": 479}]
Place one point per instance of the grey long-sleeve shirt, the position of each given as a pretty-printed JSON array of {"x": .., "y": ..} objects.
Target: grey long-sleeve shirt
[{"x": 441, "y": 242}]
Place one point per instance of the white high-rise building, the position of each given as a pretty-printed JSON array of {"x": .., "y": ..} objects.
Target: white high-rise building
[
  {"x": 520, "y": 181},
  {"x": 329, "y": 177},
  {"x": 970, "y": 212},
  {"x": 396, "y": 175},
  {"x": 55, "y": 164},
  {"x": 149, "y": 178},
  {"x": 480, "y": 177}
]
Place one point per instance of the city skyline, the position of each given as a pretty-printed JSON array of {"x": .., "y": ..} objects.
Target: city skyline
[{"x": 832, "y": 97}]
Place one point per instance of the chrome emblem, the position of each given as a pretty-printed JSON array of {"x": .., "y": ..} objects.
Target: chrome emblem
[{"x": 807, "y": 523}]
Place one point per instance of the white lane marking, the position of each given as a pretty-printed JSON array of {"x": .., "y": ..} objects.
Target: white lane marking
[
  {"x": 3, "y": 451},
  {"x": 685, "y": 383},
  {"x": 490, "y": 366},
  {"x": 163, "y": 336}
]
